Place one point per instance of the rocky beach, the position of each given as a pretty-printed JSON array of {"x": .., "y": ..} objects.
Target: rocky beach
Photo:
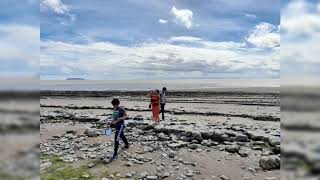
[
  {"x": 19, "y": 135},
  {"x": 217, "y": 134}
]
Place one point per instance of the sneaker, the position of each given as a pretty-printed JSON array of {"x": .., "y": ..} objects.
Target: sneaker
[
  {"x": 114, "y": 157},
  {"x": 126, "y": 146}
]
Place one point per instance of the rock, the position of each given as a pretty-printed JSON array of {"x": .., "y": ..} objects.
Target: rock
[
  {"x": 197, "y": 136},
  {"x": 143, "y": 174},
  {"x": 91, "y": 165},
  {"x": 270, "y": 178},
  {"x": 274, "y": 141},
  {"x": 252, "y": 171},
  {"x": 86, "y": 176},
  {"x": 163, "y": 137},
  {"x": 128, "y": 175},
  {"x": 258, "y": 135},
  {"x": 243, "y": 152},
  {"x": 206, "y": 143},
  {"x": 193, "y": 146},
  {"x": 129, "y": 163},
  {"x": 177, "y": 144},
  {"x": 206, "y": 135},
  {"x": 152, "y": 177},
  {"x": 45, "y": 165},
  {"x": 165, "y": 175},
  {"x": 104, "y": 178},
  {"x": 91, "y": 132},
  {"x": 269, "y": 162},
  {"x": 256, "y": 148},
  {"x": 171, "y": 154},
  {"x": 241, "y": 138},
  {"x": 189, "y": 173},
  {"x": 218, "y": 136},
  {"x": 232, "y": 148},
  {"x": 187, "y": 134},
  {"x": 224, "y": 177},
  {"x": 71, "y": 132}
]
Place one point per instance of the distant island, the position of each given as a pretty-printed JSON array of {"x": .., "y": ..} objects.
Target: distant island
[{"x": 75, "y": 79}]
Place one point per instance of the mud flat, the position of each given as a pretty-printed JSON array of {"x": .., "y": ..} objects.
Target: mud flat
[
  {"x": 206, "y": 135},
  {"x": 300, "y": 146},
  {"x": 19, "y": 135}
]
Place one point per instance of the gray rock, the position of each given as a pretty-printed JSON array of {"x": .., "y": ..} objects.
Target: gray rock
[
  {"x": 206, "y": 143},
  {"x": 91, "y": 165},
  {"x": 177, "y": 144},
  {"x": 171, "y": 154},
  {"x": 270, "y": 178},
  {"x": 224, "y": 177},
  {"x": 275, "y": 141},
  {"x": 143, "y": 174},
  {"x": 232, "y": 148},
  {"x": 243, "y": 152},
  {"x": 129, "y": 163},
  {"x": 241, "y": 138},
  {"x": 45, "y": 165},
  {"x": 252, "y": 170},
  {"x": 269, "y": 162},
  {"x": 152, "y": 177},
  {"x": 197, "y": 136},
  {"x": 193, "y": 146}
]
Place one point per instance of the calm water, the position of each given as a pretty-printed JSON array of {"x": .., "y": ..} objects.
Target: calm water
[{"x": 133, "y": 85}]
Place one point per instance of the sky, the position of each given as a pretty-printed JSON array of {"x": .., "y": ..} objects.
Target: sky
[
  {"x": 300, "y": 37},
  {"x": 19, "y": 38},
  {"x": 168, "y": 39}
]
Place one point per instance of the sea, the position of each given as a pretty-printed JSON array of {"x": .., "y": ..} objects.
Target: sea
[{"x": 143, "y": 85}]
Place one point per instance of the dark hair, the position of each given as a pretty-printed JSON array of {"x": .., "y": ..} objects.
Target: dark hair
[
  {"x": 115, "y": 101},
  {"x": 164, "y": 89}
]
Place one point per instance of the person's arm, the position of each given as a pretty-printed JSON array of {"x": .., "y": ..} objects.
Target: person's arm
[{"x": 149, "y": 94}]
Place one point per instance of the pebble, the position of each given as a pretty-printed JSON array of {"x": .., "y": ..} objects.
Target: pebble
[{"x": 224, "y": 177}]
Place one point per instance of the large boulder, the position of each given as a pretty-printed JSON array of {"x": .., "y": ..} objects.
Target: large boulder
[{"x": 269, "y": 162}]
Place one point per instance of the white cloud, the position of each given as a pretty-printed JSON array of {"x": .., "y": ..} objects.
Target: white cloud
[
  {"x": 264, "y": 35},
  {"x": 300, "y": 36},
  {"x": 19, "y": 43},
  {"x": 253, "y": 16},
  {"x": 163, "y": 21},
  {"x": 184, "y": 39},
  {"x": 156, "y": 57},
  {"x": 19, "y": 46},
  {"x": 300, "y": 18},
  {"x": 55, "y": 5},
  {"x": 58, "y": 7},
  {"x": 182, "y": 17}
]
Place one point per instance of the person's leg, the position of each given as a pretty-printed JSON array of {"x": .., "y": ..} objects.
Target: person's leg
[
  {"x": 162, "y": 110},
  {"x": 154, "y": 113},
  {"x": 157, "y": 113},
  {"x": 124, "y": 139},
  {"x": 116, "y": 140}
]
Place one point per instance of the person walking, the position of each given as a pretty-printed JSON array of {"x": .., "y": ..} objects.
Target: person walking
[
  {"x": 119, "y": 116},
  {"x": 163, "y": 101}
]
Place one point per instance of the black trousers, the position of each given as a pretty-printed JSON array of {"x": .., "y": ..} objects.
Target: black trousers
[
  {"x": 119, "y": 134},
  {"x": 162, "y": 110}
]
